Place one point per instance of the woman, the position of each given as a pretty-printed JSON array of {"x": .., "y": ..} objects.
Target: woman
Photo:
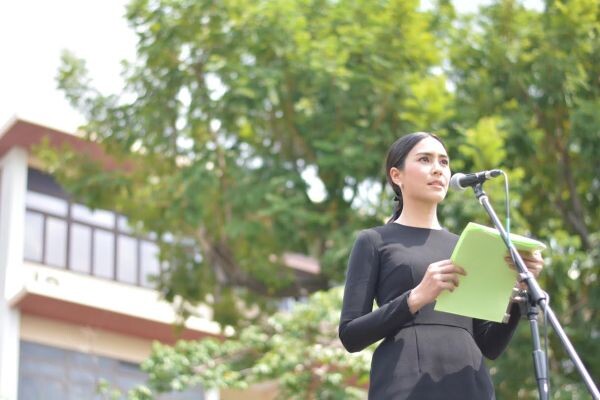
[{"x": 404, "y": 265}]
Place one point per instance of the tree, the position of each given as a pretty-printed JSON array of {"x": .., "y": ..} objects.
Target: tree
[
  {"x": 298, "y": 349},
  {"x": 228, "y": 109},
  {"x": 232, "y": 104},
  {"x": 537, "y": 73}
]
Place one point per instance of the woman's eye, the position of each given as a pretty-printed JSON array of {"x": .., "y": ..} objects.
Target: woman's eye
[{"x": 424, "y": 159}]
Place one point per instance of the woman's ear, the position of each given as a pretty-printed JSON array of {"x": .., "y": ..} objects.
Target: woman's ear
[{"x": 396, "y": 176}]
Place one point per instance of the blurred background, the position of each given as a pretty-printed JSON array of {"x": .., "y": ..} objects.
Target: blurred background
[{"x": 181, "y": 182}]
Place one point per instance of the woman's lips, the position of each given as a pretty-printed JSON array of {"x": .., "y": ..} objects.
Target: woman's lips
[{"x": 436, "y": 184}]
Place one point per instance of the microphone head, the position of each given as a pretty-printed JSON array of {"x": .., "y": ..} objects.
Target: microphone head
[{"x": 455, "y": 181}]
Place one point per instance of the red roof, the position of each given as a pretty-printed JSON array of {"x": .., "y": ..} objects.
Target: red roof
[{"x": 26, "y": 135}]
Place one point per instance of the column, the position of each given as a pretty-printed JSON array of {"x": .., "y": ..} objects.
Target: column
[
  {"x": 13, "y": 181},
  {"x": 211, "y": 394}
]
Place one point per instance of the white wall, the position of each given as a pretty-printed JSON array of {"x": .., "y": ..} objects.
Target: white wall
[{"x": 13, "y": 167}]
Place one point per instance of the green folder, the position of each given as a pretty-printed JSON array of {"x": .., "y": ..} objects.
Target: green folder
[{"x": 485, "y": 291}]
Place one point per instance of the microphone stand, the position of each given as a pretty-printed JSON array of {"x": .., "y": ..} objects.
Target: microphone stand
[{"x": 536, "y": 298}]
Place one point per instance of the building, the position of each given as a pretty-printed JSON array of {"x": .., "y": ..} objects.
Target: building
[{"x": 76, "y": 304}]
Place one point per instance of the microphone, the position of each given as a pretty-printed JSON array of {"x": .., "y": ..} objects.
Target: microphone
[{"x": 460, "y": 181}]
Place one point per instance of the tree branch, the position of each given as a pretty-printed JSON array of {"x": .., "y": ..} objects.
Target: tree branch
[
  {"x": 230, "y": 273},
  {"x": 573, "y": 214}
]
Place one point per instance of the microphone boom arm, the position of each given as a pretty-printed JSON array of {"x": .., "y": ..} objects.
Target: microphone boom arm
[{"x": 536, "y": 297}]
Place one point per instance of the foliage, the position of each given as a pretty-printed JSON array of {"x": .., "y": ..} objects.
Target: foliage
[
  {"x": 536, "y": 73},
  {"x": 298, "y": 349},
  {"x": 228, "y": 110},
  {"x": 233, "y": 105}
]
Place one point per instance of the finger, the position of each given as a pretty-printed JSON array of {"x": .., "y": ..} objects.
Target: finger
[
  {"x": 449, "y": 286},
  {"x": 450, "y": 277},
  {"x": 534, "y": 260},
  {"x": 535, "y": 265},
  {"x": 446, "y": 277},
  {"x": 510, "y": 263},
  {"x": 451, "y": 268},
  {"x": 530, "y": 263},
  {"x": 519, "y": 299},
  {"x": 533, "y": 253},
  {"x": 535, "y": 271},
  {"x": 441, "y": 264},
  {"x": 435, "y": 267},
  {"x": 509, "y": 260},
  {"x": 526, "y": 259},
  {"x": 455, "y": 280}
]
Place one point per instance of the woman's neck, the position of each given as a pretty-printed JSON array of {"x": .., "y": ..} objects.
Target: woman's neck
[{"x": 419, "y": 215}]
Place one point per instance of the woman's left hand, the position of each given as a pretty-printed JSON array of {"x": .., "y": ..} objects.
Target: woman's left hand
[{"x": 533, "y": 261}]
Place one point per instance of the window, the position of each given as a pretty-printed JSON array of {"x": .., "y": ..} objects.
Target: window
[
  {"x": 51, "y": 373},
  {"x": 104, "y": 247},
  {"x": 103, "y": 218},
  {"x": 149, "y": 262},
  {"x": 124, "y": 225},
  {"x": 80, "y": 250},
  {"x": 45, "y": 203},
  {"x": 56, "y": 242},
  {"x": 65, "y": 234},
  {"x": 127, "y": 260},
  {"x": 34, "y": 236}
]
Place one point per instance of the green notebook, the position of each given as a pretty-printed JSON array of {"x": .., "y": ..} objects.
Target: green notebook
[{"x": 485, "y": 291}]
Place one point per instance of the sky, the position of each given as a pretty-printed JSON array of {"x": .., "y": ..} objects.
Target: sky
[{"x": 33, "y": 33}]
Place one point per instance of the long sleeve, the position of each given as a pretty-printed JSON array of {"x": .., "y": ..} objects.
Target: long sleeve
[
  {"x": 360, "y": 326},
  {"x": 492, "y": 337}
]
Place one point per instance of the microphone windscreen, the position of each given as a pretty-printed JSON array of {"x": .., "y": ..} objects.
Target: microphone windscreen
[{"x": 455, "y": 181}]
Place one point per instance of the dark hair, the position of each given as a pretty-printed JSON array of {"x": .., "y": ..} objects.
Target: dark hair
[{"x": 395, "y": 158}]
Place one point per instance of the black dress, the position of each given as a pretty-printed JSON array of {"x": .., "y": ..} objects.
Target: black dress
[{"x": 429, "y": 355}]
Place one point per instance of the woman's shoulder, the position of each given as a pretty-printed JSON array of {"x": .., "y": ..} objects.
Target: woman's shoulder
[
  {"x": 395, "y": 231},
  {"x": 372, "y": 236},
  {"x": 378, "y": 234},
  {"x": 377, "y": 230}
]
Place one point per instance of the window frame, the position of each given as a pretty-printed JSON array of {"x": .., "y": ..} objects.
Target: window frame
[{"x": 44, "y": 184}]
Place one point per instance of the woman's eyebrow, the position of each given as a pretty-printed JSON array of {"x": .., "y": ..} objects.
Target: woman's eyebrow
[{"x": 431, "y": 154}]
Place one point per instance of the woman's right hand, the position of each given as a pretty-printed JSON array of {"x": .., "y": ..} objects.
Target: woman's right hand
[{"x": 440, "y": 275}]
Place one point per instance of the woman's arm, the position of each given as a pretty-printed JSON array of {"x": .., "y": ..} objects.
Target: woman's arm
[
  {"x": 493, "y": 337},
  {"x": 360, "y": 326}
]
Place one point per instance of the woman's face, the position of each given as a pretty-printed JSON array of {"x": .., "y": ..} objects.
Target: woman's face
[{"x": 426, "y": 172}]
